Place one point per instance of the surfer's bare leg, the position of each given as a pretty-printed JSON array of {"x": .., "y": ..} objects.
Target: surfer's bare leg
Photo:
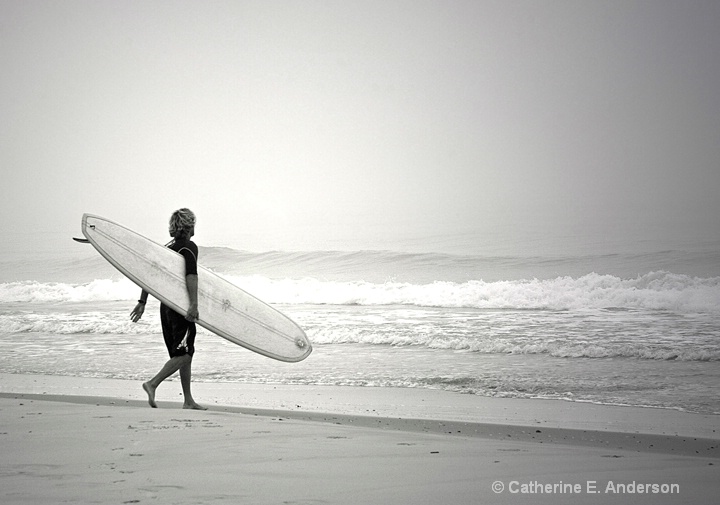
[
  {"x": 185, "y": 374},
  {"x": 170, "y": 367}
]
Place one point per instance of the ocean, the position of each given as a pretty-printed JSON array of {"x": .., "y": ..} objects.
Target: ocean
[{"x": 639, "y": 329}]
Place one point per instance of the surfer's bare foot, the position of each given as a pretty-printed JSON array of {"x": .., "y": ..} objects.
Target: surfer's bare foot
[
  {"x": 151, "y": 394},
  {"x": 193, "y": 406}
]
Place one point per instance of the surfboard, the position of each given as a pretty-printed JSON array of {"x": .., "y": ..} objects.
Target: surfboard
[{"x": 225, "y": 309}]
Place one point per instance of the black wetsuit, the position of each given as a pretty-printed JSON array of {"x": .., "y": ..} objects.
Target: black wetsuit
[{"x": 175, "y": 327}]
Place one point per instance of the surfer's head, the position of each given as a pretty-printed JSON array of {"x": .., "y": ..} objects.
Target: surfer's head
[{"x": 182, "y": 224}]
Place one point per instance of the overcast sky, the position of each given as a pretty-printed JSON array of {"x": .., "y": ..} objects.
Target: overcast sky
[{"x": 362, "y": 124}]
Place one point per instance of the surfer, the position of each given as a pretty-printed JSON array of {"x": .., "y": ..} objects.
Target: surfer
[{"x": 178, "y": 329}]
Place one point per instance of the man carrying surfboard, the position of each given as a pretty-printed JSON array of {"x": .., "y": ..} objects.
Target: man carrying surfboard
[{"x": 178, "y": 329}]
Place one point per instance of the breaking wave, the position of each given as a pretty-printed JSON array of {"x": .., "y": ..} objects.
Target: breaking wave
[{"x": 652, "y": 291}]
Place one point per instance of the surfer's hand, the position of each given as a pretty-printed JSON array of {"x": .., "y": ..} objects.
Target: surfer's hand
[
  {"x": 137, "y": 312},
  {"x": 192, "y": 313}
]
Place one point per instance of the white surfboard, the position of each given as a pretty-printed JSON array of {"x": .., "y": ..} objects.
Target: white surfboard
[{"x": 224, "y": 308}]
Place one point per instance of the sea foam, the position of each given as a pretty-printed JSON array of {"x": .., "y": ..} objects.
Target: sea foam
[{"x": 653, "y": 291}]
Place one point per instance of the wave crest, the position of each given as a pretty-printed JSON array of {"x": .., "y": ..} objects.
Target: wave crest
[{"x": 653, "y": 291}]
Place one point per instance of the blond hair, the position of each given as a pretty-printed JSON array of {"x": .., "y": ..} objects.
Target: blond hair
[{"x": 181, "y": 222}]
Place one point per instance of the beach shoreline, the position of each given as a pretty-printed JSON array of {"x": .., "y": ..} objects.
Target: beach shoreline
[
  {"x": 389, "y": 402},
  {"x": 87, "y": 440}
]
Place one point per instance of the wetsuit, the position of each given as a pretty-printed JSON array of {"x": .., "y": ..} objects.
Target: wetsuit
[{"x": 179, "y": 333}]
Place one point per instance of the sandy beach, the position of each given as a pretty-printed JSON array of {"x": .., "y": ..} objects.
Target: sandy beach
[{"x": 74, "y": 440}]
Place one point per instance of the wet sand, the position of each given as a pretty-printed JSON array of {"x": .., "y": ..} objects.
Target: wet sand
[{"x": 97, "y": 441}]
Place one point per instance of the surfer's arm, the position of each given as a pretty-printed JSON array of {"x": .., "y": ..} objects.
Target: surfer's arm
[
  {"x": 192, "y": 287},
  {"x": 191, "y": 279},
  {"x": 139, "y": 309}
]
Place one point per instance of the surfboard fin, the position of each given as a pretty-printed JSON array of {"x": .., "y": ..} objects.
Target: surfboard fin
[{"x": 81, "y": 240}]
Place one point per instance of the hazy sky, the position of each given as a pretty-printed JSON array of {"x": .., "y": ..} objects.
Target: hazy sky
[{"x": 363, "y": 124}]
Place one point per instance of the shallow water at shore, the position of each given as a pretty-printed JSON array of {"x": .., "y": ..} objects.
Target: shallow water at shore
[{"x": 525, "y": 354}]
